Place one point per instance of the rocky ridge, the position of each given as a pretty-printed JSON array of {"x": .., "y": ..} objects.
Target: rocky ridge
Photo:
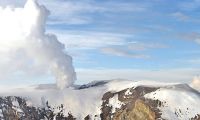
[{"x": 127, "y": 104}]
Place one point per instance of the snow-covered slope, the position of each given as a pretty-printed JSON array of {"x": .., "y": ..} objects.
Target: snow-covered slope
[
  {"x": 179, "y": 99},
  {"x": 108, "y": 100}
]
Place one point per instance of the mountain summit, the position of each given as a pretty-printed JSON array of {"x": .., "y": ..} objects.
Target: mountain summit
[{"x": 102, "y": 100}]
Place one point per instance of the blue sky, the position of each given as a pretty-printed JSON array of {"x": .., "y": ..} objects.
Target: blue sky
[
  {"x": 155, "y": 34},
  {"x": 147, "y": 36}
]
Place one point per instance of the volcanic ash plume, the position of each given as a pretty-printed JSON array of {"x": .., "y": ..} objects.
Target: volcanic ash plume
[{"x": 24, "y": 45}]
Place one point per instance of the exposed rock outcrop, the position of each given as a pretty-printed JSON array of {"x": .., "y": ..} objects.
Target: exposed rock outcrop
[
  {"x": 127, "y": 104},
  {"x": 135, "y": 106}
]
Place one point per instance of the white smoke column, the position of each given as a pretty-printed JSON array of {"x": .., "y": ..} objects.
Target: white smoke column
[
  {"x": 196, "y": 83},
  {"x": 24, "y": 44}
]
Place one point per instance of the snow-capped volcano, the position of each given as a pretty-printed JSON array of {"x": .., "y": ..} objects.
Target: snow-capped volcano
[
  {"x": 116, "y": 99},
  {"x": 27, "y": 49}
]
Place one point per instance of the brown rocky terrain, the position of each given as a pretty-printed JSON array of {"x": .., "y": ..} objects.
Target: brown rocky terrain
[{"x": 134, "y": 107}]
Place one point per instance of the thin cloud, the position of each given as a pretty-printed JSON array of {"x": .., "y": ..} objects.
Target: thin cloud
[
  {"x": 122, "y": 53},
  {"x": 90, "y": 39},
  {"x": 193, "y": 36},
  {"x": 165, "y": 75},
  {"x": 189, "y": 5},
  {"x": 145, "y": 46},
  {"x": 132, "y": 49},
  {"x": 80, "y": 12},
  {"x": 107, "y": 43},
  {"x": 180, "y": 16}
]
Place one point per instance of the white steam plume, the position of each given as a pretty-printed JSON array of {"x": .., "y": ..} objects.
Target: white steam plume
[
  {"x": 196, "y": 83},
  {"x": 25, "y": 45}
]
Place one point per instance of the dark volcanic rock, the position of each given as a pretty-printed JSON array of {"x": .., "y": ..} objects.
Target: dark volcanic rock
[
  {"x": 15, "y": 108},
  {"x": 134, "y": 106}
]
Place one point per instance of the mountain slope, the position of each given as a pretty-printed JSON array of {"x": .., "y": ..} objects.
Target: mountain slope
[{"x": 117, "y": 100}]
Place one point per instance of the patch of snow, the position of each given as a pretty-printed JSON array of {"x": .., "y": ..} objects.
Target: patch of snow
[
  {"x": 177, "y": 104},
  {"x": 15, "y": 103},
  {"x": 16, "y": 106},
  {"x": 1, "y": 114},
  {"x": 79, "y": 102},
  {"x": 115, "y": 103},
  {"x": 118, "y": 85},
  {"x": 128, "y": 92}
]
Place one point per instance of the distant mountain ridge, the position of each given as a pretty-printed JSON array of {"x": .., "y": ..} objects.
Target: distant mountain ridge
[{"x": 121, "y": 100}]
